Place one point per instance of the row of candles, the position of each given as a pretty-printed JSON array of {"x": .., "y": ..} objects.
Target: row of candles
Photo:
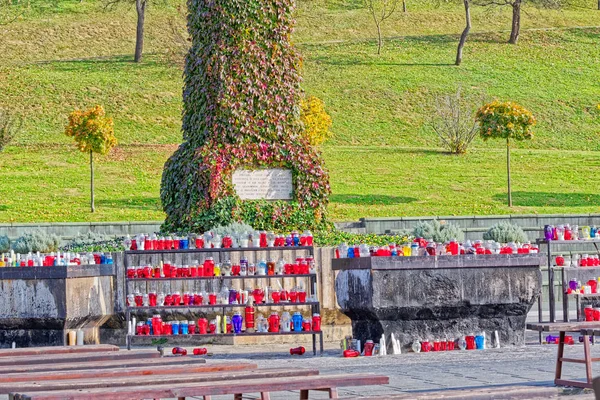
[
  {"x": 224, "y": 297},
  {"x": 38, "y": 259},
  {"x": 209, "y": 268},
  {"x": 209, "y": 240},
  {"x": 589, "y": 287},
  {"x": 469, "y": 342},
  {"x": 585, "y": 260},
  {"x": 422, "y": 247},
  {"x": 234, "y": 324},
  {"x": 567, "y": 232}
]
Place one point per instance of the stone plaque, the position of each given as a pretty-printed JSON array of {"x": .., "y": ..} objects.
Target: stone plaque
[{"x": 267, "y": 184}]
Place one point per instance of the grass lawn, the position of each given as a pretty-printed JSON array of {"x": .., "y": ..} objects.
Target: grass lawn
[{"x": 384, "y": 159}]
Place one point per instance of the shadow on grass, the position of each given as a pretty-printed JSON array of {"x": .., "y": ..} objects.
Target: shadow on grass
[
  {"x": 77, "y": 64},
  {"x": 547, "y": 199},
  {"x": 137, "y": 203},
  {"x": 345, "y": 4},
  {"x": 3, "y": 207},
  {"x": 366, "y": 199}
]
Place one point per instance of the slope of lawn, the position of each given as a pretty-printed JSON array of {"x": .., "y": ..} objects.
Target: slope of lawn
[{"x": 384, "y": 159}]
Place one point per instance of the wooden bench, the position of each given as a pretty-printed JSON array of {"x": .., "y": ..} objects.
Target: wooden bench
[
  {"x": 78, "y": 366},
  {"x": 143, "y": 370},
  {"x": 237, "y": 387},
  {"x": 31, "y": 351},
  {"x": 562, "y": 328},
  {"x": 79, "y": 357},
  {"x": 173, "y": 379},
  {"x": 496, "y": 393}
]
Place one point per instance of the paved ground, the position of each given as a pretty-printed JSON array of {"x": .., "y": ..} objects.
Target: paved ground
[{"x": 529, "y": 365}]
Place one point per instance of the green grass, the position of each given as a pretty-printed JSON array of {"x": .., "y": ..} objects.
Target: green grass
[{"x": 384, "y": 159}]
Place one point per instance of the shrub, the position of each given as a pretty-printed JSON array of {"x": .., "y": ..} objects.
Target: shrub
[
  {"x": 37, "y": 240},
  {"x": 504, "y": 232},
  {"x": 453, "y": 121},
  {"x": 4, "y": 244},
  {"x": 438, "y": 231},
  {"x": 234, "y": 227},
  {"x": 90, "y": 242},
  {"x": 316, "y": 120},
  {"x": 9, "y": 126},
  {"x": 335, "y": 237}
]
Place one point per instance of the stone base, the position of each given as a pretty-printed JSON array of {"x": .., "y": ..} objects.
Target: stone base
[
  {"x": 511, "y": 330},
  {"x": 427, "y": 298},
  {"x": 44, "y": 337}
]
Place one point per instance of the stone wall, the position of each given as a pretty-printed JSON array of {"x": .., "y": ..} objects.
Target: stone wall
[
  {"x": 41, "y": 304},
  {"x": 426, "y": 298}
]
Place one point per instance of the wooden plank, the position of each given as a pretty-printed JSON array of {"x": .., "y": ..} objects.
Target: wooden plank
[
  {"x": 79, "y": 357},
  {"x": 69, "y": 366},
  {"x": 182, "y": 378},
  {"x": 559, "y": 356},
  {"x": 209, "y": 388},
  {"x": 123, "y": 372},
  {"x": 496, "y": 393},
  {"x": 588, "y": 358},
  {"x": 590, "y": 331},
  {"x": 32, "y": 351},
  {"x": 579, "y": 384},
  {"x": 563, "y": 326}
]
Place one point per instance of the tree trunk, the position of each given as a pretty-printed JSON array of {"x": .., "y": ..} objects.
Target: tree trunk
[
  {"x": 404, "y": 5},
  {"x": 92, "y": 181},
  {"x": 140, "y": 7},
  {"x": 516, "y": 23},
  {"x": 465, "y": 33},
  {"x": 508, "y": 170},
  {"x": 379, "y": 39}
]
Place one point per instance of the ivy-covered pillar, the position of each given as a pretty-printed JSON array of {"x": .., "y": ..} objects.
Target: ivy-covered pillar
[{"x": 241, "y": 111}]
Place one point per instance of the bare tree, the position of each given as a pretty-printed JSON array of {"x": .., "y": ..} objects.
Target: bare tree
[
  {"x": 140, "y": 9},
  {"x": 465, "y": 32},
  {"x": 380, "y": 11},
  {"x": 516, "y": 5},
  {"x": 404, "y": 10}
]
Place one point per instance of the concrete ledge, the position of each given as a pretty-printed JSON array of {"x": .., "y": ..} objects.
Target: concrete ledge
[
  {"x": 60, "y": 272},
  {"x": 438, "y": 262}
]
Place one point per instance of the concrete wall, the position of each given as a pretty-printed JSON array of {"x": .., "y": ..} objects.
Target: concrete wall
[
  {"x": 39, "y": 309},
  {"x": 67, "y": 230},
  {"x": 475, "y": 225}
]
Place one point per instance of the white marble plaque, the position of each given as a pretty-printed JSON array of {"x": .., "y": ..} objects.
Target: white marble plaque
[{"x": 267, "y": 184}]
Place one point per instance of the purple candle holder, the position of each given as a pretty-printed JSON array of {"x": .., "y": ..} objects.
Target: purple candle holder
[
  {"x": 236, "y": 321},
  {"x": 573, "y": 284},
  {"x": 548, "y": 232},
  {"x": 232, "y": 296}
]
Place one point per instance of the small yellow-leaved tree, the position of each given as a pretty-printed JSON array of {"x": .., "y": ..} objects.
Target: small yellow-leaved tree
[
  {"x": 317, "y": 122},
  {"x": 93, "y": 132},
  {"x": 505, "y": 120}
]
